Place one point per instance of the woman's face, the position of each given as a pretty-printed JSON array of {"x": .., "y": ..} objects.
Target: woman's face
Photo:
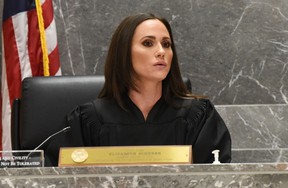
[{"x": 151, "y": 51}]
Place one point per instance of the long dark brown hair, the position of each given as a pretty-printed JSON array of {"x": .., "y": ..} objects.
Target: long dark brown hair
[{"x": 118, "y": 67}]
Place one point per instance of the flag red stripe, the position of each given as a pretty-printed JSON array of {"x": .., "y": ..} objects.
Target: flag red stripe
[
  {"x": 54, "y": 64},
  {"x": 12, "y": 60},
  {"x": 1, "y": 129},
  {"x": 34, "y": 44},
  {"x": 47, "y": 11}
]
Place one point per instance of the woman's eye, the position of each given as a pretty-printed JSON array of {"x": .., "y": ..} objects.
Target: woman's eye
[
  {"x": 147, "y": 43},
  {"x": 166, "y": 44}
]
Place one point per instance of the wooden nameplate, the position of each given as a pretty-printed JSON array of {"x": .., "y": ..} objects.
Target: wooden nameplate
[{"x": 125, "y": 155}]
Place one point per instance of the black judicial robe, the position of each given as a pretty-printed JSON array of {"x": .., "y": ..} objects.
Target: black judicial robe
[{"x": 191, "y": 122}]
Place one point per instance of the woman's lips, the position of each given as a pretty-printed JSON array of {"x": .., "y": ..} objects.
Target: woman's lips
[{"x": 160, "y": 64}]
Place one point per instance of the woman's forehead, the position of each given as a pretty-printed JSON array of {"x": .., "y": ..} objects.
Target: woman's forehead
[{"x": 151, "y": 27}]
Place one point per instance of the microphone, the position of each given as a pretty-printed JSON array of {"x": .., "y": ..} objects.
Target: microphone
[
  {"x": 64, "y": 130},
  {"x": 19, "y": 160}
]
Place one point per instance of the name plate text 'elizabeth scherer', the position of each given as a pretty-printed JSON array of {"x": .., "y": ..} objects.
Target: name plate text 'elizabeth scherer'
[{"x": 119, "y": 155}]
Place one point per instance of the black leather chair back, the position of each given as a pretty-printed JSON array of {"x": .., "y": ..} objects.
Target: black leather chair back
[{"x": 44, "y": 103}]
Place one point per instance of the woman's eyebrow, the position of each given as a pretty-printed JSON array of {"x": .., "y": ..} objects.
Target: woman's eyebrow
[
  {"x": 149, "y": 36},
  {"x": 153, "y": 37}
]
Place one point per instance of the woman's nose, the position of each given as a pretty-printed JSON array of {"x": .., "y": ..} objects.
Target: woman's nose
[{"x": 160, "y": 52}]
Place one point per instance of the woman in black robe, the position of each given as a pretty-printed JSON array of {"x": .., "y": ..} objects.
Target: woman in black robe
[{"x": 144, "y": 100}]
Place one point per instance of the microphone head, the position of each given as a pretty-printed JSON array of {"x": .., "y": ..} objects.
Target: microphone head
[{"x": 66, "y": 129}]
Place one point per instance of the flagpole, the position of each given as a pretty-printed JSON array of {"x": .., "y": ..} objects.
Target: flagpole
[{"x": 42, "y": 38}]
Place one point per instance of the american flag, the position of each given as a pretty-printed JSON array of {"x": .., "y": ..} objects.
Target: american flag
[{"x": 23, "y": 52}]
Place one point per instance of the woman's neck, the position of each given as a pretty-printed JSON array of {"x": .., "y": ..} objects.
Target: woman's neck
[{"x": 146, "y": 96}]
